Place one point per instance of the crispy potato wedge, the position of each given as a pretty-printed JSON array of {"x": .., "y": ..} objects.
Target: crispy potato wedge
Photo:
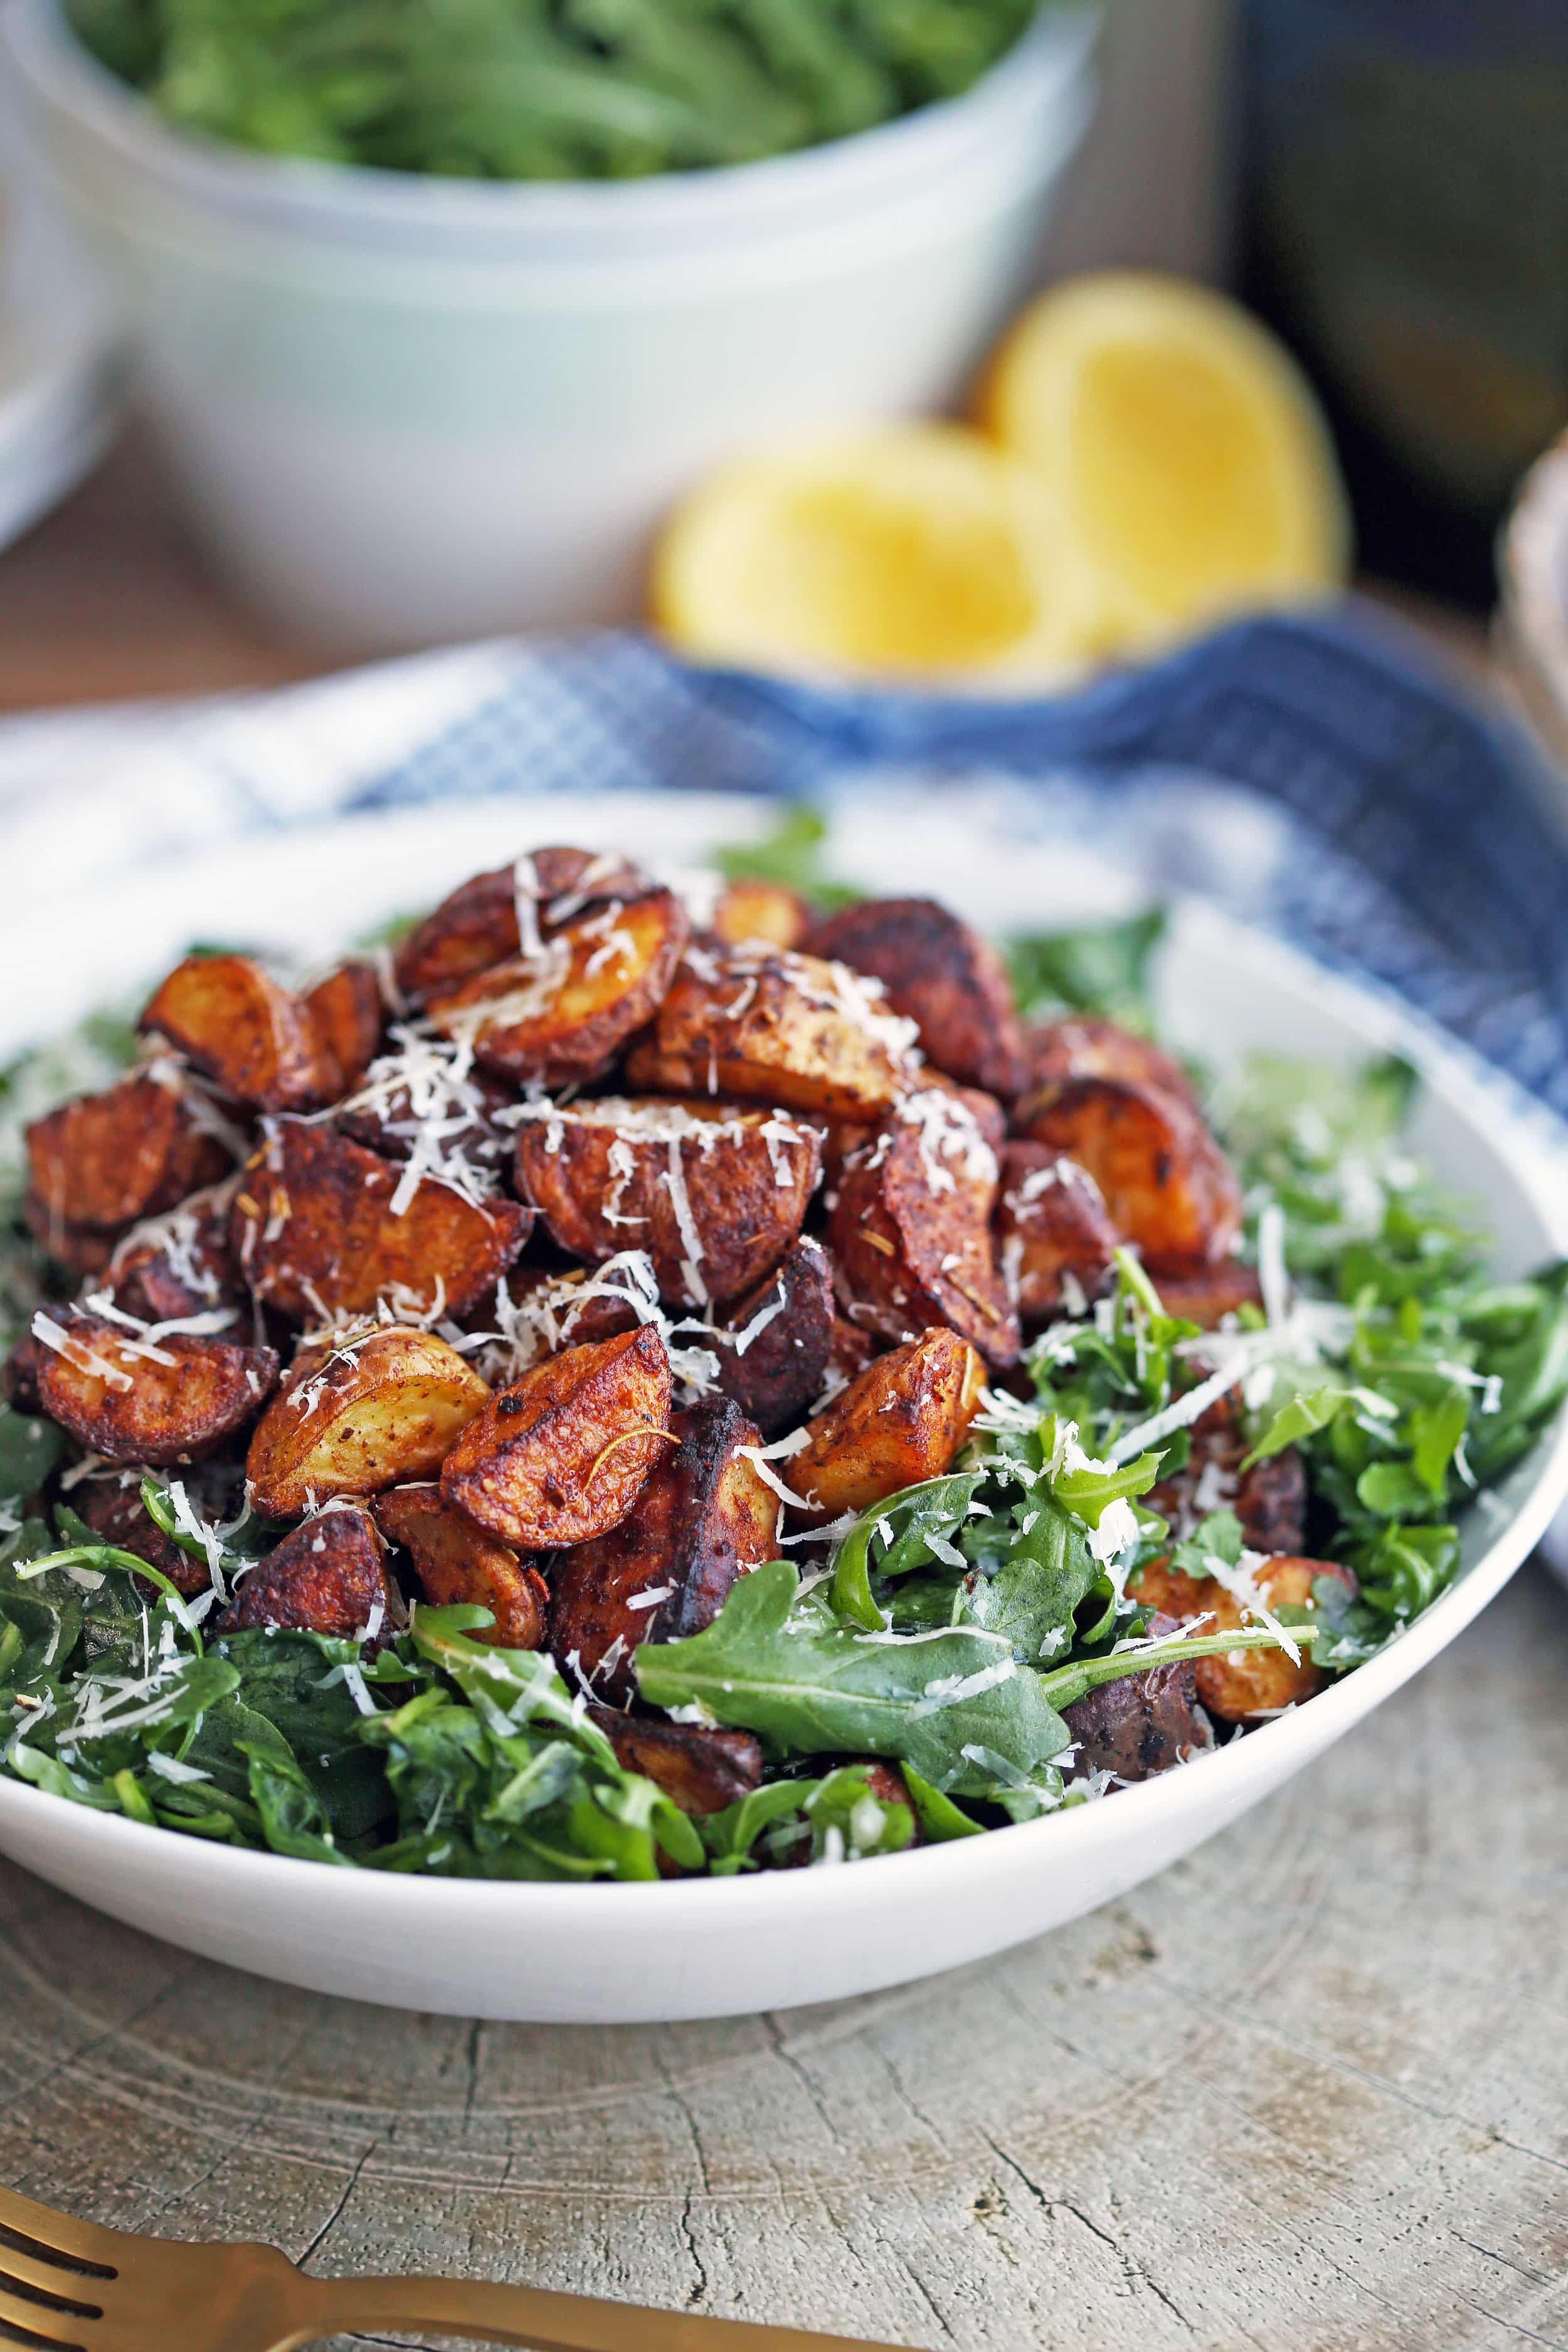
[
  {"x": 715, "y": 1192},
  {"x": 562, "y": 1453},
  {"x": 851, "y": 1351},
  {"x": 842, "y": 1138},
  {"x": 326, "y": 1577},
  {"x": 347, "y": 1013},
  {"x": 902, "y": 1420},
  {"x": 133, "y": 1399},
  {"x": 1241, "y": 1685},
  {"x": 760, "y": 910},
  {"x": 538, "y": 1310},
  {"x": 317, "y": 1233},
  {"x": 1167, "y": 1184},
  {"x": 1054, "y": 1240},
  {"x": 1207, "y": 1294},
  {"x": 774, "y": 1353},
  {"x": 702, "y": 1771},
  {"x": 1086, "y": 1046},
  {"x": 454, "y": 1562},
  {"x": 180, "y": 1264},
  {"x": 1269, "y": 1499},
  {"x": 107, "y": 1160},
  {"x": 114, "y": 1512},
  {"x": 430, "y": 1093},
  {"x": 562, "y": 1013},
  {"x": 475, "y": 927},
  {"x": 378, "y": 1407},
  {"x": 254, "y": 1041},
  {"x": 910, "y": 1230},
  {"x": 771, "y": 1025},
  {"x": 1142, "y": 1725},
  {"x": 941, "y": 975},
  {"x": 701, "y": 1520}
]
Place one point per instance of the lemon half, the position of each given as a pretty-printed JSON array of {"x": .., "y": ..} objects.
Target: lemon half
[
  {"x": 902, "y": 551},
  {"x": 1188, "y": 460}
]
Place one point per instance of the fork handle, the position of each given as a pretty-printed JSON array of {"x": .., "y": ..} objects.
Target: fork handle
[{"x": 547, "y": 2322}]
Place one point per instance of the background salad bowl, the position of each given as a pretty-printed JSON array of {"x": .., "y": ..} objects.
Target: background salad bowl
[{"x": 680, "y": 1948}]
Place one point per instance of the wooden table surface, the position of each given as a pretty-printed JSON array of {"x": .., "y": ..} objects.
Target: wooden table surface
[{"x": 1306, "y": 2093}]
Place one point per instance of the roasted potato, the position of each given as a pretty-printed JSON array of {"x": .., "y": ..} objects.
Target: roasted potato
[
  {"x": 108, "y": 1159},
  {"x": 254, "y": 1041},
  {"x": 346, "y": 1012},
  {"x": 368, "y": 1411},
  {"x": 180, "y": 1264},
  {"x": 115, "y": 1512},
  {"x": 79, "y": 1250},
  {"x": 318, "y": 1232},
  {"x": 1086, "y": 1046},
  {"x": 764, "y": 911},
  {"x": 941, "y": 975},
  {"x": 1269, "y": 1499},
  {"x": 1054, "y": 1240},
  {"x": 714, "y": 1193},
  {"x": 843, "y": 1138},
  {"x": 704, "y": 1516},
  {"x": 1142, "y": 1725},
  {"x": 562, "y": 1455},
  {"x": 773, "y": 1026},
  {"x": 1167, "y": 1184},
  {"x": 774, "y": 1351},
  {"x": 560, "y": 1013},
  {"x": 328, "y": 1577},
  {"x": 475, "y": 927},
  {"x": 910, "y": 1230},
  {"x": 1207, "y": 1294},
  {"x": 901, "y": 1420},
  {"x": 541, "y": 1310},
  {"x": 134, "y": 1400},
  {"x": 425, "y": 1093},
  {"x": 1240, "y": 1685},
  {"x": 453, "y": 1561},
  {"x": 702, "y": 1771}
]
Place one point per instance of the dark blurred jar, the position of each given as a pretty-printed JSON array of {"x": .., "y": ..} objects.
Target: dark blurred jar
[{"x": 1405, "y": 223}]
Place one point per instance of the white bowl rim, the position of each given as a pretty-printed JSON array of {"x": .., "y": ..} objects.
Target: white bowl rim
[
  {"x": 723, "y": 203},
  {"x": 370, "y": 1899}
]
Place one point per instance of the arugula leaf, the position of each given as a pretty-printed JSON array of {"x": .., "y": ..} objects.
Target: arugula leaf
[
  {"x": 1102, "y": 968},
  {"x": 903, "y": 1525},
  {"x": 792, "y": 856},
  {"x": 29, "y": 1449}
]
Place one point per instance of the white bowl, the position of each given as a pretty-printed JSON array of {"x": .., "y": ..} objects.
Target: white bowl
[
  {"x": 616, "y": 1954},
  {"x": 401, "y": 409}
]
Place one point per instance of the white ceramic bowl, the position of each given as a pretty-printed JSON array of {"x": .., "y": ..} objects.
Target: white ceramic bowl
[
  {"x": 401, "y": 409},
  {"x": 709, "y": 1948}
]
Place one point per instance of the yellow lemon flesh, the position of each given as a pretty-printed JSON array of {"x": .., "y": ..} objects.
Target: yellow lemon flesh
[
  {"x": 1188, "y": 460},
  {"x": 902, "y": 551}
]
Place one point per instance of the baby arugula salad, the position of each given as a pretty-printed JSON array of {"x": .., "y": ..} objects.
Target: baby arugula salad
[{"x": 621, "y": 1380}]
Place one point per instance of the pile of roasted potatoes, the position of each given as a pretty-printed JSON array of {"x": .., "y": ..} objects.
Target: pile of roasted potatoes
[{"x": 498, "y": 1266}]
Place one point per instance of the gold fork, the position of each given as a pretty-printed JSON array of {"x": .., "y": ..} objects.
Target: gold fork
[{"x": 69, "y": 2286}]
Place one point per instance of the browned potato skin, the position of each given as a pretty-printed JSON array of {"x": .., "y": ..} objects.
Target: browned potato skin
[
  {"x": 475, "y": 926},
  {"x": 346, "y": 1011},
  {"x": 1050, "y": 1229},
  {"x": 744, "y": 1217},
  {"x": 894, "y": 1238},
  {"x": 760, "y": 910},
  {"x": 785, "y": 1366},
  {"x": 79, "y": 1250},
  {"x": 326, "y": 1577},
  {"x": 115, "y": 1513},
  {"x": 144, "y": 1280},
  {"x": 335, "y": 1244},
  {"x": 1142, "y": 1725},
  {"x": 941, "y": 974},
  {"x": 1243, "y": 1684},
  {"x": 535, "y": 1468},
  {"x": 106, "y": 1161},
  {"x": 703, "y": 1518},
  {"x": 593, "y": 1012},
  {"x": 254, "y": 1041},
  {"x": 902, "y": 1420},
  {"x": 1167, "y": 1186},
  {"x": 384, "y": 1406},
  {"x": 748, "y": 1022},
  {"x": 1269, "y": 1499},
  {"x": 578, "y": 1320},
  {"x": 19, "y": 1375},
  {"x": 702, "y": 1771},
  {"x": 454, "y": 1562},
  {"x": 1086, "y": 1046},
  {"x": 1207, "y": 1294},
  {"x": 170, "y": 1412},
  {"x": 842, "y": 1138}
]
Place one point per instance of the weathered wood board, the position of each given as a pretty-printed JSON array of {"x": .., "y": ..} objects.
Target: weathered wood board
[{"x": 1307, "y": 2093}]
